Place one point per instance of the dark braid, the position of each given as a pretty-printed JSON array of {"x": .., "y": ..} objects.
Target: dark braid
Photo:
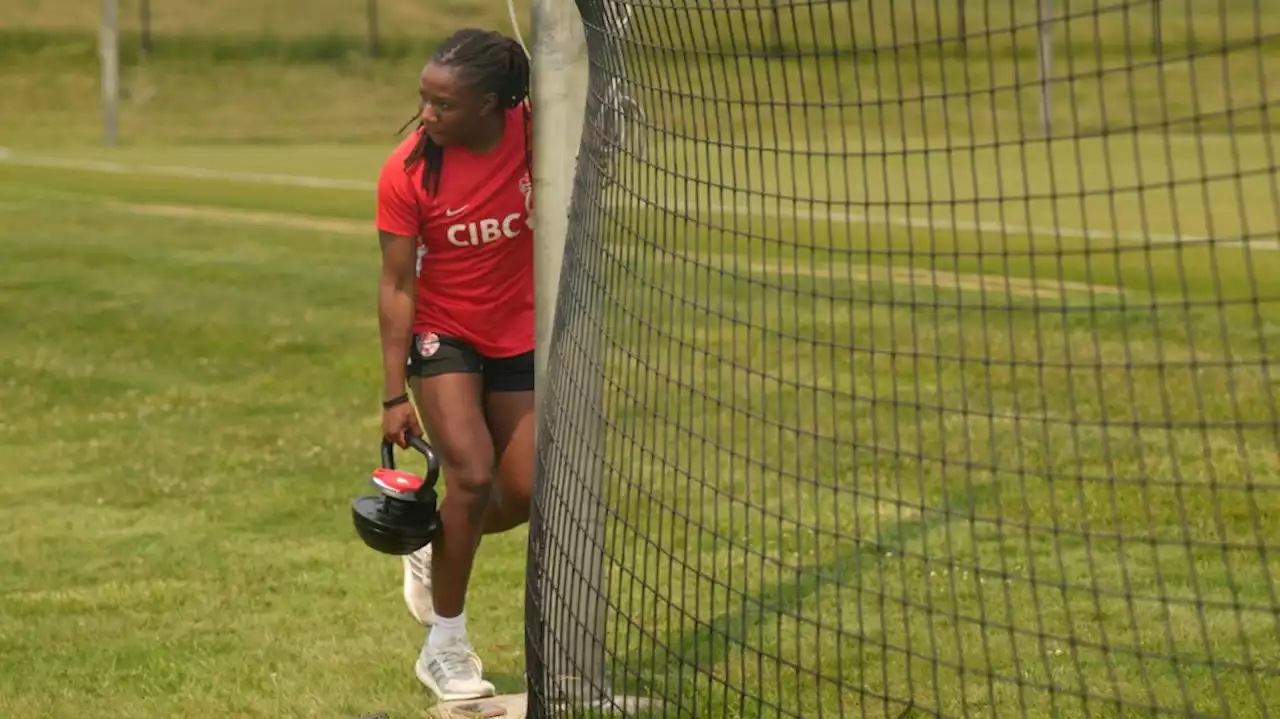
[{"x": 490, "y": 62}]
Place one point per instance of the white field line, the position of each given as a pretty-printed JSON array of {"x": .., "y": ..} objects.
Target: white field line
[
  {"x": 928, "y": 223},
  {"x": 938, "y": 224},
  {"x": 917, "y": 144},
  {"x": 936, "y": 279},
  {"x": 116, "y": 168},
  {"x": 278, "y": 220}
]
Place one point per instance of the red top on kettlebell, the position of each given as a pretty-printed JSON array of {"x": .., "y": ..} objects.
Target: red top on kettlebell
[{"x": 396, "y": 482}]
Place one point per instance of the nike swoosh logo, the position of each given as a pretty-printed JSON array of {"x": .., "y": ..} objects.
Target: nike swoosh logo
[{"x": 451, "y": 213}]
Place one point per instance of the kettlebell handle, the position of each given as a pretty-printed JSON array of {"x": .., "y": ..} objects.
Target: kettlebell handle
[{"x": 418, "y": 443}]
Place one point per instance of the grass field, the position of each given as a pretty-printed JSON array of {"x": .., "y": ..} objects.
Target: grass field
[
  {"x": 287, "y": 72},
  {"x": 189, "y": 407},
  {"x": 976, "y": 455},
  {"x": 997, "y": 460},
  {"x": 958, "y": 413},
  {"x": 194, "y": 286},
  {"x": 912, "y": 411}
]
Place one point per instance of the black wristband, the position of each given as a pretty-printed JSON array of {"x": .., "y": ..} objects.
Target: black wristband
[{"x": 388, "y": 404}]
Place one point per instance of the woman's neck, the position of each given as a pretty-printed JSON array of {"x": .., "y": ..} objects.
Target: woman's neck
[{"x": 488, "y": 137}]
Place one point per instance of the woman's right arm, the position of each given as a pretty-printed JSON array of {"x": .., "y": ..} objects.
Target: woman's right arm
[
  {"x": 398, "y": 223},
  {"x": 396, "y": 285}
]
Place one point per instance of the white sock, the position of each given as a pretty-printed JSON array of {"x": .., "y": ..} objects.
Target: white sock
[{"x": 446, "y": 629}]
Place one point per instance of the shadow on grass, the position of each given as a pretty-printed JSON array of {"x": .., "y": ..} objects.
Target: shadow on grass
[{"x": 711, "y": 643}]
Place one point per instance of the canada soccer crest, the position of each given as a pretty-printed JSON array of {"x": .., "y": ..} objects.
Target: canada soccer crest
[
  {"x": 428, "y": 344},
  {"x": 526, "y": 189}
]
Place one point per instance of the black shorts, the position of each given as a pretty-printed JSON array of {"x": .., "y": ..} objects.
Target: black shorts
[{"x": 436, "y": 354}]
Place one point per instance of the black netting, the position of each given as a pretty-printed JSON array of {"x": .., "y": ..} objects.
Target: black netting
[{"x": 912, "y": 359}]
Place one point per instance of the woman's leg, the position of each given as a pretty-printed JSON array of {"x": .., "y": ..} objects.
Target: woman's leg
[
  {"x": 450, "y": 402},
  {"x": 491, "y": 490},
  {"x": 508, "y": 408},
  {"x": 510, "y": 419},
  {"x": 454, "y": 420}
]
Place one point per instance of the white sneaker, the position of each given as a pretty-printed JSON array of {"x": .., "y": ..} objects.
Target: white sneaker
[
  {"x": 453, "y": 672},
  {"x": 417, "y": 586}
]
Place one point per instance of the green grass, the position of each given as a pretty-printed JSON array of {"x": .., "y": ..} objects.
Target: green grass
[
  {"x": 287, "y": 18},
  {"x": 170, "y": 102},
  {"x": 187, "y": 417},
  {"x": 168, "y": 344},
  {"x": 911, "y": 437},
  {"x": 876, "y": 460},
  {"x": 894, "y": 425},
  {"x": 226, "y": 72}
]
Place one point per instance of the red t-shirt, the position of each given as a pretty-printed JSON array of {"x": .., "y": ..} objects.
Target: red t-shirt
[{"x": 475, "y": 241}]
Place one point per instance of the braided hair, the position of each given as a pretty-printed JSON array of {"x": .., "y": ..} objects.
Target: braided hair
[{"x": 489, "y": 62}]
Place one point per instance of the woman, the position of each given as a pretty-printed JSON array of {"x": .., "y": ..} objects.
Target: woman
[{"x": 457, "y": 322}]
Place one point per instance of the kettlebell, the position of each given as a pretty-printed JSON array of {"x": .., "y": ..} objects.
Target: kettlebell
[{"x": 402, "y": 518}]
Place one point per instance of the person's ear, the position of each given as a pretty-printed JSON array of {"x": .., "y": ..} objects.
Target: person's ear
[{"x": 488, "y": 103}]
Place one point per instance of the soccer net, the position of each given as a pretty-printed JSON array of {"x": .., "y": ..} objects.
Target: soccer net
[{"x": 914, "y": 358}]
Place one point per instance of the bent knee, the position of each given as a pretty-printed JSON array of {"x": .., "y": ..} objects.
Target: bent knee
[{"x": 470, "y": 478}]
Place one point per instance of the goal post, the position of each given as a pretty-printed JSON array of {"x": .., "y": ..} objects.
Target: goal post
[
  {"x": 109, "y": 67},
  {"x": 564, "y": 635}
]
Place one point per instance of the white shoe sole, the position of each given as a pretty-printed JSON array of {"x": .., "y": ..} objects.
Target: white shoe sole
[
  {"x": 426, "y": 679},
  {"x": 417, "y": 596}
]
